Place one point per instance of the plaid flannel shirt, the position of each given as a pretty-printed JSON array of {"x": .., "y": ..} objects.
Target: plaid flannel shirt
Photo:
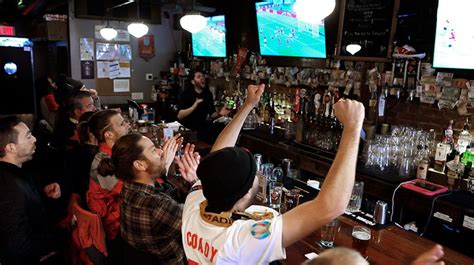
[{"x": 151, "y": 221}]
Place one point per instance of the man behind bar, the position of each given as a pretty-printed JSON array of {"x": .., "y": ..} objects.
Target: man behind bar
[{"x": 215, "y": 229}]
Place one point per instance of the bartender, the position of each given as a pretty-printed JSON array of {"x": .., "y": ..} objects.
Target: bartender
[{"x": 196, "y": 107}]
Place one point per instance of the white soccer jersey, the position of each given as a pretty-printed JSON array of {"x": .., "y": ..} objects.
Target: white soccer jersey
[{"x": 244, "y": 242}]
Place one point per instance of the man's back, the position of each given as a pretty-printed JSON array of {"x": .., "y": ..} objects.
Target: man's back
[{"x": 214, "y": 242}]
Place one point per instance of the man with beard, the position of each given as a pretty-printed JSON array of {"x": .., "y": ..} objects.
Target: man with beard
[
  {"x": 150, "y": 214},
  {"x": 196, "y": 107},
  {"x": 24, "y": 234}
]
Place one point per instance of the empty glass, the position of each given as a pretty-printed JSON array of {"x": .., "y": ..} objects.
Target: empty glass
[
  {"x": 328, "y": 234},
  {"x": 355, "y": 201},
  {"x": 277, "y": 174}
]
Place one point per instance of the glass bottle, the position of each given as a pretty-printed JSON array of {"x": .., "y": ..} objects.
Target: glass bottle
[{"x": 464, "y": 139}]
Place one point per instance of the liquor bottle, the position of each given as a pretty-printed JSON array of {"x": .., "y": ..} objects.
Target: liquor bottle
[
  {"x": 444, "y": 149},
  {"x": 422, "y": 163},
  {"x": 299, "y": 123},
  {"x": 373, "y": 112},
  {"x": 464, "y": 139},
  {"x": 455, "y": 172}
]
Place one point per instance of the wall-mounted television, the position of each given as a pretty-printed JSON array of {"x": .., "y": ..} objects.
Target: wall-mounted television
[
  {"x": 281, "y": 33},
  {"x": 454, "y": 40},
  {"x": 210, "y": 42}
]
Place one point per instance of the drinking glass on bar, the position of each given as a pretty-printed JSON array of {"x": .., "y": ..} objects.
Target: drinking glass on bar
[
  {"x": 275, "y": 193},
  {"x": 360, "y": 239},
  {"x": 355, "y": 201},
  {"x": 328, "y": 234},
  {"x": 292, "y": 199}
]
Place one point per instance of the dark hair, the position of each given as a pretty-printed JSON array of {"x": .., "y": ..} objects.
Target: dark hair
[
  {"x": 125, "y": 151},
  {"x": 66, "y": 87},
  {"x": 83, "y": 127},
  {"x": 75, "y": 101},
  {"x": 191, "y": 76},
  {"x": 99, "y": 122},
  {"x": 7, "y": 133}
]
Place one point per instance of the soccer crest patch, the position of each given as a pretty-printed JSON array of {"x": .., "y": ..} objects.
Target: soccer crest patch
[{"x": 261, "y": 229}]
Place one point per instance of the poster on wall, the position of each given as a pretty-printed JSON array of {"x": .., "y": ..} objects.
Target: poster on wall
[
  {"x": 87, "y": 69},
  {"x": 107, "y": 51},
  {"x": 122, "y": 35},
  {"x": 86, "y": 46},
  {"x": 121, "y": 85},
  {"x": 124, "y": 69},
  {"x": 102, "y": 69},
  {"x": 124, "y": 52},
  {"x": 114, "y": 69}
]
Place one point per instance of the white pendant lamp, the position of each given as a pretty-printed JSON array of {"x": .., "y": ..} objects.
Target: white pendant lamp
[
  {"x": 108, "y": 33},
  {"x": 138, "y": 30},
  {"x": 353, "y": 48},
  {"x": 311, "y": 11},
  {"x": 193, "y": 22}
]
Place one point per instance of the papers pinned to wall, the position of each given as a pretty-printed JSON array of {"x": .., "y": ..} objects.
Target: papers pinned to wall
[
  {"x": 121, "y": 85},
  {"x": 113, "y": 69},
  {"x": 86, "y": 46}
]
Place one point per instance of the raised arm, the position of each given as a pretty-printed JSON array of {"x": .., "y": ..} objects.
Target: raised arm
[
  {"x": 229, "y": 135},
  {"x": 337, "y": 188}
]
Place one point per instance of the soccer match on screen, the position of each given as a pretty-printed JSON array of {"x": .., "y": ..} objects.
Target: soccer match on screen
[
  {"x": 210, "y": 42},
  {"x": 281, "y": 33}
]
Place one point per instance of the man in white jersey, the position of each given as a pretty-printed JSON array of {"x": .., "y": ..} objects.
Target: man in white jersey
[{"x": 216, "y": 231}]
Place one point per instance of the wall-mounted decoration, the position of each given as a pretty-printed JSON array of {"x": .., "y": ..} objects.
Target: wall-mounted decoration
[
  {"x": 87, "y": 69},
  {"x": 86, "y": 46},
  {"x": 146, "y": 47}
]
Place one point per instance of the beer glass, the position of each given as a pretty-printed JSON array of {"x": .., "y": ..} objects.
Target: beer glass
[
  {"x": 360, "y": 239},
  {"x": 292, "y": 199},
  {"x": 328, "y": 234}
]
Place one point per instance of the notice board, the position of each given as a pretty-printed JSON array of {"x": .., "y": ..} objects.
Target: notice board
[{"x": 369, "y": 23}]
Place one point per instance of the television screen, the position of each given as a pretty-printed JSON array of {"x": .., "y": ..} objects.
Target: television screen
[
  {"x": 210, "y": 42},
  {"x": 454, "y": 39},
  {"x": 281, "y": 33}
]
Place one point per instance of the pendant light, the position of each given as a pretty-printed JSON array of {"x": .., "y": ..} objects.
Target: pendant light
[
  {"x": 108, "y": 32},
  {"x": 311, "y": 11},
  {"x": 193, "y": 22},
  {"x": 137, "y": 29},
  {"x": 353, "y": 48}
]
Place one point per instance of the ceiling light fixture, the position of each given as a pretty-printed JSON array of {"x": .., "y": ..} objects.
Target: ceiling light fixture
[
  {"x": 193, "y": 22},
  {"x": 353, "y": 48},
  {"x": 137, "y": 29},
  {"x": 311, "y": 11},
  {"x": 108, "y": 32}
]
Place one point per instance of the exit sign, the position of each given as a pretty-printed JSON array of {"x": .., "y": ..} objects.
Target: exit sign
[{"x": 7, "y": 30}]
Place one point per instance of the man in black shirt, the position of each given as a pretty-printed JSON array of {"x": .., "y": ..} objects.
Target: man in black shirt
[
  {"x": 196, "y": 105},
  {"x": 24, "y": 233}
]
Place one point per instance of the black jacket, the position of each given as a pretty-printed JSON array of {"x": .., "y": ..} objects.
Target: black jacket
[{"x": 24, "y": 233}]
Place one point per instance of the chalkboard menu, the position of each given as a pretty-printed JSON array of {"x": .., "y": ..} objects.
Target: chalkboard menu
[{"x": 369, "y": 23}]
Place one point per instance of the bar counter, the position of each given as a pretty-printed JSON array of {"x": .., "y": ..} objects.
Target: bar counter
[{"x": 388, "y": 246}]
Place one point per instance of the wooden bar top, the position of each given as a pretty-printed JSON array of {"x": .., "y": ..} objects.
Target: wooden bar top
[{"x": 389, "y": 246}]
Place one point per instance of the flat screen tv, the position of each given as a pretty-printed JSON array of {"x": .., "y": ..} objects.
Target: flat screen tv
[
  {"x": 210, "y": 42},
  {"x": 454, "y": 40},
  {"x": 281, "y": 33}
]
